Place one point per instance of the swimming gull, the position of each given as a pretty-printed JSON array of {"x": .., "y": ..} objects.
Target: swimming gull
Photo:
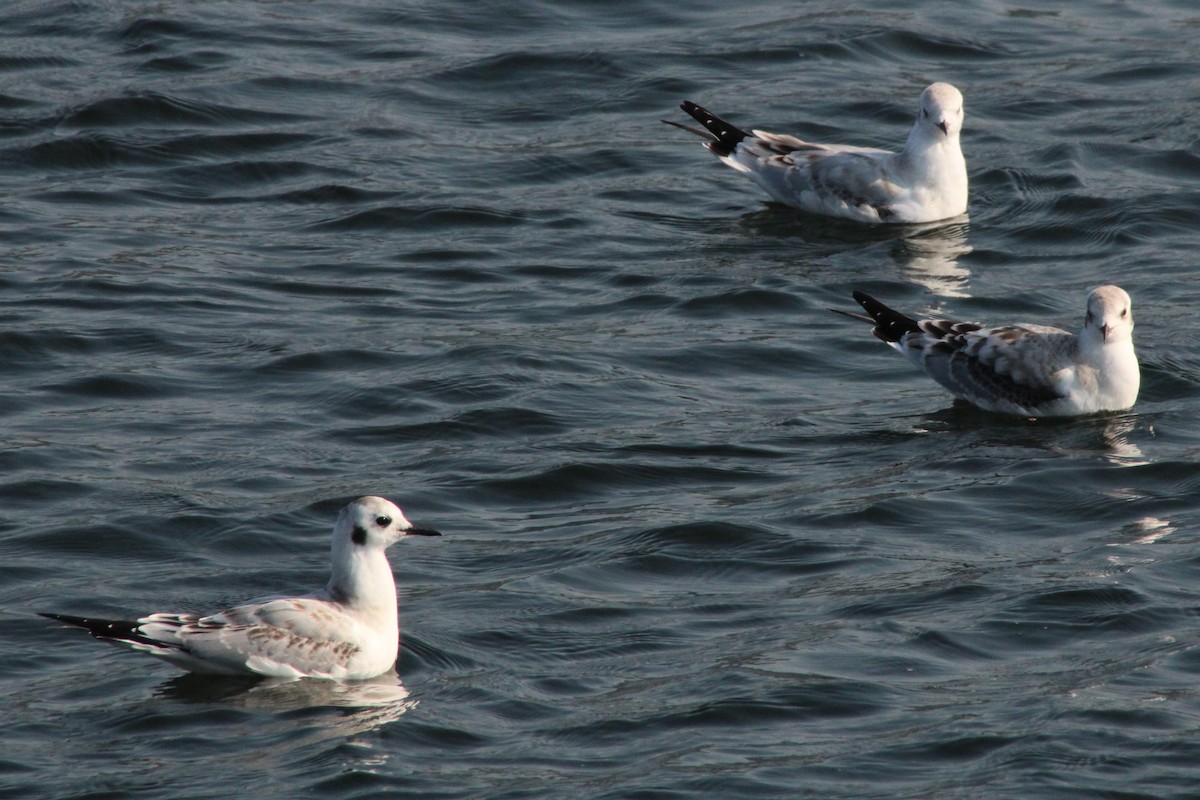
[
  {"x": 924, "y": 182},
  {"x": 347, "y": 631},
  {"x": 1027, "y": 370}
]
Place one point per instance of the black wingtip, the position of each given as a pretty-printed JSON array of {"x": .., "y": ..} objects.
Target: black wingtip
[
  {"x": 726, "y": 137},
  {"x": 101, "y": 628},
  {"x": 890, "y": 324}
]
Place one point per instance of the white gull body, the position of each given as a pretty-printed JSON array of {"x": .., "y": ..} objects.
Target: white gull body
[
  {"x": 347, "y": 631},
  {"x": 1026, "y": 370},
  {"x": 924, "y": 182}
]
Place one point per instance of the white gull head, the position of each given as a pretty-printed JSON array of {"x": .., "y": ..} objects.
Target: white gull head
[
  {"x": 1109, "y": 315},
  {"x": 939, "y": 112},
  {"x": 364, "y": 529}
]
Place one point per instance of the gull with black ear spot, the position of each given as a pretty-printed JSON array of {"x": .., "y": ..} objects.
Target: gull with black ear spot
[
  {"x": 1024, "y": 369},
  {"x": 348, "y": 631},
  {"x": 924, "y": 182}
]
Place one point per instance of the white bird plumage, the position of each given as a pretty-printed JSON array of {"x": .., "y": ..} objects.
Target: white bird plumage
[
  {"x": 1022, "y": 369},
  {"x": 924, "y": 182},
  {"x": 347, "y": 631}
]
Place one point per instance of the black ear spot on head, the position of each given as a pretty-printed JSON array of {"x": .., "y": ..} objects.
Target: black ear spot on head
[{"x": 359, "y": 536}]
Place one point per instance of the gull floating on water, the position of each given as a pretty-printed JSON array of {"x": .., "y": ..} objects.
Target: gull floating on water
[
  {"x": 924, "y": 182},
  {"x": 347, "y": 631},
  {"x": 1027, "y": 370}
]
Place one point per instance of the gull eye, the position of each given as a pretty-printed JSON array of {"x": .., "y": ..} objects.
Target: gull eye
[
  {"x": 1124, "y": 313},
  {"x": 925, "y": 112},
  {"x": 383, "y": 522}
]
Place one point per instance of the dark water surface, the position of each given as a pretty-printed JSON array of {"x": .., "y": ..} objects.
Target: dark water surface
[{"x": 704, "y": 538}]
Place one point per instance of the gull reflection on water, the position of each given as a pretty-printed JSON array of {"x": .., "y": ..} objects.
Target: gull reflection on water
[
  {"x": 350, "y": 708},
  {"x": 928, "y": 256},
  {"x": 286, "y": 694},
  {"x": 1119, "y": 449}
]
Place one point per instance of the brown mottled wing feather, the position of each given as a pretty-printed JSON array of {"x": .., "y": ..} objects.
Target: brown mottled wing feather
[
  {"x": 976, "y": 363},
  {"x": 278, "y": 631}
]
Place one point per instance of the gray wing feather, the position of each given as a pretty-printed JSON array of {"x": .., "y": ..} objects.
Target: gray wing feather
[{"x": 1017, "y": 365}]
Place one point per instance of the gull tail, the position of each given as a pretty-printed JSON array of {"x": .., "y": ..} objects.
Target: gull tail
[
  {"x": 890, "y": 324},
  {"x": 722, "y": 137},
  {"x": 108, "y": 629}
]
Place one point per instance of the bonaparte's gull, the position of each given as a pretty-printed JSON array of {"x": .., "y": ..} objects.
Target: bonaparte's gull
[
  {"x": 924, "y": 182},
  {"x": 1027, "y": 370},
  {"x": 347, "y": 631}
]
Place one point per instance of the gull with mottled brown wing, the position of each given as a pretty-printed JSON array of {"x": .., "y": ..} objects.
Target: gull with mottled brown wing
[
  {"x": 347, "y": 631},
  {"x": 924, "y": 182},
  {"x": 1023, "y": 369}
]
